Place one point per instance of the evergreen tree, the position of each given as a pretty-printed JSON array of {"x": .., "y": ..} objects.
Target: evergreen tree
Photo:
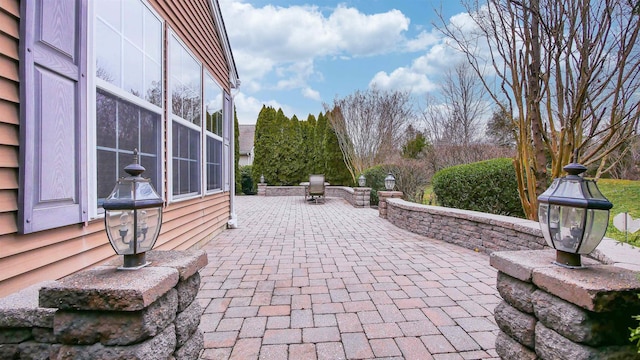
[
  {"x": 236, "y": 154},
  {"x": 318, "y": 160},
  {"x": 265, "y": 144},
  {"x": 306, "y": 151}
]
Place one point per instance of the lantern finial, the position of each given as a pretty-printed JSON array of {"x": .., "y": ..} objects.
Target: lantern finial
[{"x": 134, "y": 169}]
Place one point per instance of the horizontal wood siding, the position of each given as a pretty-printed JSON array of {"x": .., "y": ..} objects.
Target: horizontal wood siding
[{"x": 52, "y": 254}]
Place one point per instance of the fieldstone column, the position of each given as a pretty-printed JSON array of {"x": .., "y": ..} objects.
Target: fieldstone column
[
  {"x": 362, "y": 196},
  {"x": 551, "y": 312},
  {"x": 262, "y": 189},
  {"x": 382, "y": 201},
  {"x": 150, "y": 313}
]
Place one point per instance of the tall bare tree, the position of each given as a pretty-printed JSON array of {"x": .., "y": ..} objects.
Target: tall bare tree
[
  {"x": 455, "y": 117},
  {"x": 569, "y": 73},
  {"x": 369, "y": 125}
]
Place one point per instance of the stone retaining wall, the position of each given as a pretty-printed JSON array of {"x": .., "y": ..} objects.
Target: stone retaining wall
[
  {"x": 471, "y": 229},
  {"x": 358, "y": 197},
  {"x": 550, "y": 312},
  {"x": 105, "y": 313}
]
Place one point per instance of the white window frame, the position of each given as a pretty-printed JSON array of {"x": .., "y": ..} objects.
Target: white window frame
[
  {"x": 206, "y": 134},
  {"x": 180, "y": 121},
  {"x": 93, "y": 82}
]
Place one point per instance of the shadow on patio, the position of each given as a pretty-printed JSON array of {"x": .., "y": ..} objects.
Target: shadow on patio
[{"x": 330, "y": 281}]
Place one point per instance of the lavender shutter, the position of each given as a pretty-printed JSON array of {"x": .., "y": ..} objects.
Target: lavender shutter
[{"x": 53, "y": 114}]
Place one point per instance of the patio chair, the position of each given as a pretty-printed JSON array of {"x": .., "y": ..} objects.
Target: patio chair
[{"x": 316, "y": 187}]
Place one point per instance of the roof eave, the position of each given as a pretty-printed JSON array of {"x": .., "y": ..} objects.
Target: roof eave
[{"x": 234, "y": 80}]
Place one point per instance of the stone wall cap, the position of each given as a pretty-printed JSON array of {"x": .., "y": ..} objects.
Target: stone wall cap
[
  {"x": 187, "y": 262},
  {"x": 109, "y": 289},
  {"x": 596, "y": 288},
  {"x": 21, "y": 309},
  {"x": 520, "y": 264}
]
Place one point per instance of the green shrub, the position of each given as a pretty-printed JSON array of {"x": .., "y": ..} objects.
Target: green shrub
[
  {"x": 246, "y": 180},
  {"x": 375, "y": 180},
  {"x": 488, "y": 186}
]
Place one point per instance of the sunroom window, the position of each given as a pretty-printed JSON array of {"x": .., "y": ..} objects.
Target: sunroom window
[
  {"x": 128, "y": 70},
  {"x": 213, "y": 133},
  {"x": 185, "y": 86}
]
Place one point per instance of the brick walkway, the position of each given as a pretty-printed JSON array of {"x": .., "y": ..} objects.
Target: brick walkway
[{"x": 329, "y": 281}]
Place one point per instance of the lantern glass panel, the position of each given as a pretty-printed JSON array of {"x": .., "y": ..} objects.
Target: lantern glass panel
[
  {"x": 569, "y": 189},
  {"x": 119, "y": 225},
  {"x": 592, "y": 188},
  {"x": 596, "y": 227},
  {"x": 571, "y": 228},
  {"x": 149, "y": 219}
]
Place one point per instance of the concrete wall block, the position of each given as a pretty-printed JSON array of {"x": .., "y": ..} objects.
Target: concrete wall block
[
  {"x": 10, "y": 351},
  {"x": 517, "y": 293},
  {"x": 160, "y": 347},
  {"x": 552, "y": 346},
  {"x": 187, "y": 323},
  {"x": 191, "y": 349},
  {"x": 508, "y": 348},
  {"x": 43, "y": 335},
  {"x": 32, "y": 350},
  {"x": 14, "y": 335},
  {"x": 187, "y": 291},
  {"x": 580, "y": 325},
  {"x": 116, "y": 327},
  {"x": 518, "y": 325}
]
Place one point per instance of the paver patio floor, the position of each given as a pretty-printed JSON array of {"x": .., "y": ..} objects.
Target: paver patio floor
[{"x": 329, "y": 281}]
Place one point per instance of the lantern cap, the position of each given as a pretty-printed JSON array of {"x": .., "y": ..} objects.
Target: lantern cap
[
  {"x": 575, "y": 169},
  {"x": 134, "y": 169}
]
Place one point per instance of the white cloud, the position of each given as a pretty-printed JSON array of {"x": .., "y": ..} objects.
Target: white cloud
[
  {"x": 288, "y": 40},
  {"x": 309, "y": 93},
  {"x": 249, "y": 107},
  {"x": 404, "y": 79}
]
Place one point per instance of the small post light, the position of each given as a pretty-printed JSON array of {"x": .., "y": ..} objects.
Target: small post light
[
  {"x": 262, "y": 179},
  {"x": 133, "y": 216},
  {"x": 573, "y": 216},
  {"x": 362, "y": 181},
  {"x": 389, "y": 182}
]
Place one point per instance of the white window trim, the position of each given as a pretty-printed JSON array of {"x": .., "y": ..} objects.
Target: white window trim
[
  {"x": 92, "y": 83},
  {"x": 182, "y": 197},
  {"x": 206, "y": 133}
]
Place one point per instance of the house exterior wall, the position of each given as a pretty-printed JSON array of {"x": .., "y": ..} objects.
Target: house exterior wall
[{"x": 52, "y": 254}]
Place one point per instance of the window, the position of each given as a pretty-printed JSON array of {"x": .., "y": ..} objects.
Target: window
[
  {"x": 128, "y": 70},
  {"x": 185, "y": 86},
  {"x": 213, "y": 133}
]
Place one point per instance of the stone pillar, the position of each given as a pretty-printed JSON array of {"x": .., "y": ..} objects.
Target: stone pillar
[
  {"x": 382, "y": 201},
  {"x": 262, "y": 189},
  {"x": 362, "y": 197},
  {"x": 551, "y": 312},
  {"x": 106, "y": 313}
]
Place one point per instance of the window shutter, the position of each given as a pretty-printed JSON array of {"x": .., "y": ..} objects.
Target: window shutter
[
  {"x": 53, "y": 85},
  {"x": 228, "y": 155}
]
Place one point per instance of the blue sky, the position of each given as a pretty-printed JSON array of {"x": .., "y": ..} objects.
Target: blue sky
[{"x": 297, "y": 55}]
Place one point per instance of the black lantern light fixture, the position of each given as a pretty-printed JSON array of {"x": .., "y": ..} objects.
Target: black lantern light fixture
[
  {"x": 389, "y": 182},
  {"x": 133, "y": 216},
  {"x": 573, "y": 216},
  {"x": 362, "y": 181}
]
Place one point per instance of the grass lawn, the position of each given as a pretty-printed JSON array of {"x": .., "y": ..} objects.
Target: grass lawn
[{"x": 624, "y": 194}]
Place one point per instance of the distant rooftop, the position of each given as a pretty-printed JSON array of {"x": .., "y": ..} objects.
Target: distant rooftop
[{"x": 246, "y": 138}]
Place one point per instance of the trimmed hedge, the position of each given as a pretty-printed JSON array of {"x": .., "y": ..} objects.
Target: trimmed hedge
[
  {"x": 375, "y": 180},
  {"x": 488, "y": 186}
]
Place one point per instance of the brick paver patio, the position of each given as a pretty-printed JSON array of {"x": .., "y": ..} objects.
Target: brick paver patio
[{"x": 329, "y": 281}]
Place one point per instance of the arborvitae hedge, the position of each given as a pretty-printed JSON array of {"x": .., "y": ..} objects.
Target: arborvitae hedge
[
  {"x": 487, "y": 186},
  {"x": 287, "y": 150}
]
